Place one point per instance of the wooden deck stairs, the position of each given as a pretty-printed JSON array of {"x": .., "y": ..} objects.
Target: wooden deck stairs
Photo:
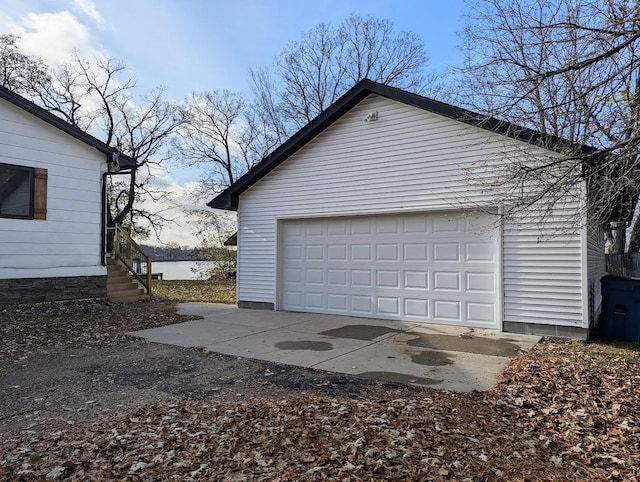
[{"x": 121, "y": 286}]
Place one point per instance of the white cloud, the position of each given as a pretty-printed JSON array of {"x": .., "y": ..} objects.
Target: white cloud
[
  {"x": 54, "y": 37},
  {"x": 87, "y": 7}
]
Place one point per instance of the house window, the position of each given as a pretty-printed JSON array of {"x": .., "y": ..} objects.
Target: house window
[{"x": 23, "y": 192}]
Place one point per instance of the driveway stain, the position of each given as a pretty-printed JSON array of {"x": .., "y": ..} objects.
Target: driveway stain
[
  {"x": 399, "y": 378},
  {"x": 470, "y": 344},
  {"x": 304, "y": 345},
  {"x": 297, "y": 378},
  {"x": 360, "y": 332},
  {"x": 186, "y": 376},
  {"x": 431, "y": 358}
]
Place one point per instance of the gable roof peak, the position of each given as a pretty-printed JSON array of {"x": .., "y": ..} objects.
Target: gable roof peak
[
  {"x": 228, "y": 199},
  {"x": 125, "y": 162}
]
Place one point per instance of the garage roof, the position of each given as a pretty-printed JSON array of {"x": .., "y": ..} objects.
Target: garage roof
[
  {"x": 125, "y": 162},
  {"x": 228, "y": 199}
]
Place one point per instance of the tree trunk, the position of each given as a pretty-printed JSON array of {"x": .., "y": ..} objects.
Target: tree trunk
[{"x": 618, "y": 230}]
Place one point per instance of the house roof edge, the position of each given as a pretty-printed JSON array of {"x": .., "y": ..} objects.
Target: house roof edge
[
  {"x": 228, "y": 199},
  {"x": 125, "y": 161}
]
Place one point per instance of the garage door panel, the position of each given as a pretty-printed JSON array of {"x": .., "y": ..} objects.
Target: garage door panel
[
  {"x": 416, "y": 225},
  {"x": 336, "y": 227},
  {"x": 446, "y": 281},
  {"x": 362, "y": 304},
  {"x": 337, "y": 302},
  {"x": 295, "y": 230},
  {"x": 293, "y": 252},
  {"x": 314, "y": 252},
  {"x": 388, "y": 279},
  {"x": 337, "y": 277},
  {"x": 446, "y": 225},
  {"x": 314, "y": 276},
  {"x": 337, "y": 252},
  {"x": 388, "y": 306},
  {"x": 416, "y": 252},
  {"x": 480, "y": 252},
  {"x": 480, "y": 312},
  {"x": 416, "y": 280},
  {"x": 446, "y": 252},
  {"x": 293, "y": 275},
  {"x": 481, "y": 282},
  {"x": 417, "y": 267},
  {"x": 315, "y": 228},
  {"x": 292, "y": 299},
  {"x": 361, "y": 252},
  {"x": 416, "y": 307},
  {"x": 387, "y": 252},
  {"x": 314, "y": 300},
  {"x": 446, "y": 310},
  {"x": 360, "y": 227},
  {"x": 362, "y": 278},
  {"x": 387, "y": 226}
]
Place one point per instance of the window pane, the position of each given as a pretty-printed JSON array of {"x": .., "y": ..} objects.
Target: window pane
[{"x": 15, "y": 191}]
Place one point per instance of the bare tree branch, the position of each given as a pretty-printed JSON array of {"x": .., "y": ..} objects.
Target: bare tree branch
[
  {"x": 312, "y": 73},
  {"x": 569, "y": 69}
]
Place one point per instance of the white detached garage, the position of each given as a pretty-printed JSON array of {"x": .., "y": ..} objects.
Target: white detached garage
[{"x": 381, "y": 219}]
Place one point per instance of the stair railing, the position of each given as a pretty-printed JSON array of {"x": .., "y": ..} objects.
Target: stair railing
[{"x": 132, "y": 256}]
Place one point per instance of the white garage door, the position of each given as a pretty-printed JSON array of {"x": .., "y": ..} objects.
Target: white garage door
[{"x": 440, "y": 268}]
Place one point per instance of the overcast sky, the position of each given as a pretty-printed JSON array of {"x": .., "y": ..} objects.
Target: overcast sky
[{"x": 196, "y": 45}]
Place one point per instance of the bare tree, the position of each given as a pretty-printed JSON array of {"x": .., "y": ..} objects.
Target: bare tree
[
  {"x": 19, "y": 72},
  {"x": 221, "y": 135},
  {"x": 99, "y": 96},
  {"x": 215, "y": 260},
  {"x": 311, "y": 73},
  {"x": 142, "y": 131},
  {"x": 569, "y": 69}
]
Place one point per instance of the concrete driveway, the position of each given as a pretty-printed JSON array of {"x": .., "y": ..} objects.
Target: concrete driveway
[{"x": 438, "y": 356}]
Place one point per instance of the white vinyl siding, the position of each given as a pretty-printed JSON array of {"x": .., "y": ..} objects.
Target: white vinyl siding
[
  {"x": 542, "y": 274},
  {"x": 68, "y": 242},
  {"x": 410, "y": 160}
]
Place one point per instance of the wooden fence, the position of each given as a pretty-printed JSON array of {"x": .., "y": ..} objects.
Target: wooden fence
[{"x": 623, "y": 264}]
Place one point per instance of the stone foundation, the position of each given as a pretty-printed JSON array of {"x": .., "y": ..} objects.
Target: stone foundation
[
  {"x": 256, "y": 305},
  {"x": 38, "y": 290}
]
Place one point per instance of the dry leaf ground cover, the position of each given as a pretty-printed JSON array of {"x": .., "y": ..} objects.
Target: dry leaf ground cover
[
  {"x": 94, "y": 404},
  {"x": 200, "y": 290}
]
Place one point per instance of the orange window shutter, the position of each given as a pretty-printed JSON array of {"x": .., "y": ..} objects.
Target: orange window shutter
[{"x": 40, "y": 194}]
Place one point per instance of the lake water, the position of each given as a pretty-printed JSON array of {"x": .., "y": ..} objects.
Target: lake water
[{"x": 173, "y": 270}]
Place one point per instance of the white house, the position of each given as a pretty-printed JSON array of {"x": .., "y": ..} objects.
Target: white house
[
  {"x": 52, "y": 205},
  {"x": 369, "y": 211}
]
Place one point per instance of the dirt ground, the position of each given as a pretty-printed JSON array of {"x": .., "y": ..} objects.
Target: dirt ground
[
  {"x": 65, "y": 370},
  {"x": 79, "y": 383},
  {"x": 82, "y": 400}
]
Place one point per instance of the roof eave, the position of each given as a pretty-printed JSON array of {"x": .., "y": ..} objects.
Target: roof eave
[{"x": 228, "y": 199}]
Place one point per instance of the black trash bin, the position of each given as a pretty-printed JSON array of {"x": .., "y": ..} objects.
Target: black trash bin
[{"x": 620, "y": 308}]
